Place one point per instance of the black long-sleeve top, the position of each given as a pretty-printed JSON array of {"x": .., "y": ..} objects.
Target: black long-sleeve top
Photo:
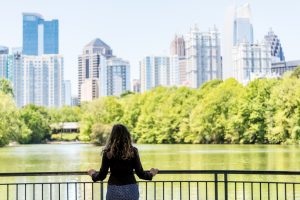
[{"x": 121, "y": 171}]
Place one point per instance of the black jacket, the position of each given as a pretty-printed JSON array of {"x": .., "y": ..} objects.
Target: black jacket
[{"x": 121, "y": 170}]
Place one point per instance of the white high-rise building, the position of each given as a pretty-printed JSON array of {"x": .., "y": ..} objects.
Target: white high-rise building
[
  {"x": 67, "y": 93},
  {"x": 43, "y": 80},
  {"x": 251, "y": 61},
  {"x": 16, "y": 75},
  {"x": 203, "y": 57},
  {"x": 3, "y": 62},
  {"x": 155, "y": 71},
  {"x": 114, "y": 77},
  {"x": 238, "y": 28}
]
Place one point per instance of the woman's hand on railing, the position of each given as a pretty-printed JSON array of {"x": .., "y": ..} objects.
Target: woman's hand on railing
[
  {"x": 91, "y": 172},
  {"x": 153, "y": 171}
]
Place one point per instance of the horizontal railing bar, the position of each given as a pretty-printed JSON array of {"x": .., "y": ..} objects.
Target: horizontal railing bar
[
  {"x": 105, "y": 182},
  {"x": 172, "y": 172}
]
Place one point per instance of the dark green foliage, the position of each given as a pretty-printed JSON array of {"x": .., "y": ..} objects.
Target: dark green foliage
[{"x": 37, "y": 119}]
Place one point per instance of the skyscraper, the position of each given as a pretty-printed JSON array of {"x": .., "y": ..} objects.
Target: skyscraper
[
  {"x": 203, "y": 54},
  {"x": 89, "y": 89},
  {"x": 243, "y": 29},
  {"x": 114, "y": 77},
  {"x": 275, "y": 45},
  {"x": 93, "y": 56},
  {"x": 177, "y": 61},
  {"x": 43, "y": 80},
  {"x": 39, "y": 36},
  {"x": 67, "y": 93},
  {"x": 238, "y": 28},
  {"x": 154, "y": 71},
  {"x": 4, "y": 62},
  {"x": 177, "y": 46},
  {"x": 16, "y": 74},
  {"x": 251, "y": 61}
]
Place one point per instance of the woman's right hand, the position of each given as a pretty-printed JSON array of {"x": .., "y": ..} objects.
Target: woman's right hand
[
  {"x": 153, "y": 171},
  {"x": 91, "y": 172}
]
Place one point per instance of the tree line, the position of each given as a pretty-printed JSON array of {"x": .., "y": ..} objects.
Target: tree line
[{"x": 266, "y": 111}]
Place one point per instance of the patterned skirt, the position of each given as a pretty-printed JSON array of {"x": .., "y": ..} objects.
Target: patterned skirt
[{"x": 122, "y": 192}]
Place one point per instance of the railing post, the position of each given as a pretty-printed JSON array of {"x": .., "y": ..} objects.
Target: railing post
[
  {"x": 216, "y": 187},
  {"x": 226, "y": 186},
  {"x": 101, "y": 188}
]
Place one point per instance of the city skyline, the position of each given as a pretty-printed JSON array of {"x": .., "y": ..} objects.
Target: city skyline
[{"x": 134, "y": 38}]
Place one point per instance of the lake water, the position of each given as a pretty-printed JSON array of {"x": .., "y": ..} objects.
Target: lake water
[
  {"x": 80, "y": 157},
  {"x": 77, "y": 157}
]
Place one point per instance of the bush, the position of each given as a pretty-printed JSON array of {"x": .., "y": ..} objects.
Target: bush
[
  {"x": 65, "y": 137},
  {"x": 84, "y": 138}
]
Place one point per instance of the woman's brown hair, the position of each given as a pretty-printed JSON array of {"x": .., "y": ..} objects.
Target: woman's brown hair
[{"x": 119, "y": 143}]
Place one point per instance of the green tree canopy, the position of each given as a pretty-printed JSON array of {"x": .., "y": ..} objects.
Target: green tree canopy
[
  {"x": 37, "y": 120},
  {"x": 11, "y": 127},
  {"x": 6, "y": 87}
]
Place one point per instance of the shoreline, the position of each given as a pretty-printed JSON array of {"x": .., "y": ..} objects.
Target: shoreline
[{"x": 67, "y": 142}]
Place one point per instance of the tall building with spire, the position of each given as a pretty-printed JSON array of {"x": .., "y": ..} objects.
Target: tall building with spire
[
  {"x": 94, "y": 55},
  {"x": 243, "y": 28},
  {"x": 276, "y": 48},
  {"x": 238, "y": 29}
]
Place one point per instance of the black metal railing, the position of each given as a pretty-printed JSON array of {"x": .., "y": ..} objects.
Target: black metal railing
[{"x": 169, "y": 184}]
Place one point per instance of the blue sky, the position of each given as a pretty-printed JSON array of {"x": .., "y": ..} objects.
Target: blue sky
[{"x": 135, "y": 28}]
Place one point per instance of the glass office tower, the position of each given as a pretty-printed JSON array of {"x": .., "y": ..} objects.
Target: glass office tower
[
  {"x": 243, "y": 28},
  {"x": 39, "y": 36}
]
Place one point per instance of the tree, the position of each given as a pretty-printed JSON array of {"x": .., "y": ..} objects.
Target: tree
[
  {"x": 6, "y": 87},
  {"x": 254, "y": 111},
  {"x": 296, "y": 73},
  {"x": 126, "y": 93},
  {"x": 209, "y": 119},
  {"x": 11, "y": 127},
  {"x": 65, "y": 114},
  {"x": 106, "y": 111},
  {"x": 285, "y": 101},
  {"x": 184, "y": 135},
  {"x": 37, "y": 120}
]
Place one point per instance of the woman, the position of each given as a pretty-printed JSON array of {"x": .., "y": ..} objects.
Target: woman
[{"x": 122, "y": 158}]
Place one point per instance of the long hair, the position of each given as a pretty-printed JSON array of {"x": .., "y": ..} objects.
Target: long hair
[{"x": 119, "y": 143}]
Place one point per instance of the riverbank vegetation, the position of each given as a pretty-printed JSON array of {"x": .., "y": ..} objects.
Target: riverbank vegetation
[{"x": 266, "y": 111}]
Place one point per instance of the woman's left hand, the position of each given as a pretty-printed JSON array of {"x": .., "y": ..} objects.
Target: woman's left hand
[{"x": 91, "y": 172}]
